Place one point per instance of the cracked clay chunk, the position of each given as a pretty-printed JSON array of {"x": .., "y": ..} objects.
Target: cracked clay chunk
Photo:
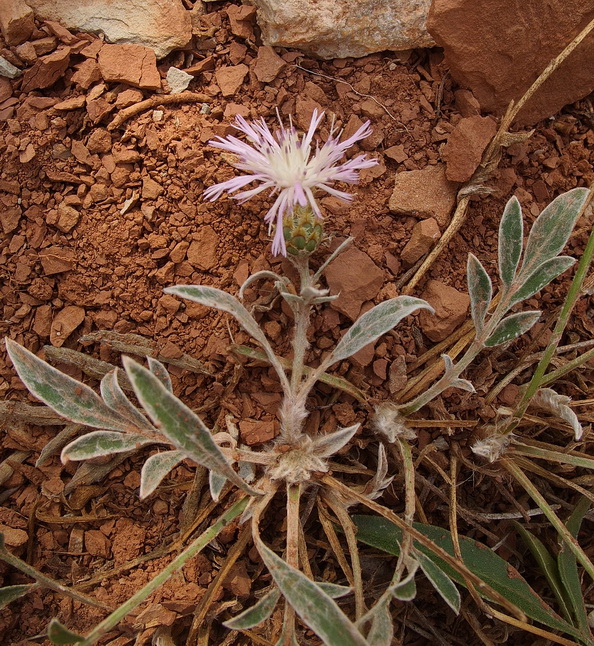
[
  {"x": 466, "y": 145},
  {"x": 451, "y": 310},
  {"x": 46, "y": 70},
  {"x": 131, "y": 64}
]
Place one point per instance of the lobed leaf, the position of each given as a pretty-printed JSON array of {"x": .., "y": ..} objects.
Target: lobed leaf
[
  {"x": 512, "y": 327},
  {"x": 11, "y": 593},
  {"x": 552, "y": 228},
  {"x": 377, "y": 321},
  {"x": 481, "y": 560},
  {"x": 316, "y": 609},
  {"x": 255, "y": 615},
  {"x": 156, "y": 468},
  {"x": 63, "y": 394},
  {"x": 99, "y": 443},
  {"x": 480, "y": 291},
  {"x": 185, "y": 430},
  {"x": 115, "y": 398},
  {"x": 541, "y": 277},
  {"x": 511, "y": 235},
  {"x": 59, "y": 634},
  {"x": 440, "y": 581}
]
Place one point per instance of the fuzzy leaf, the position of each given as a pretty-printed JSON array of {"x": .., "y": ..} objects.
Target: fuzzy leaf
[
  {"x": 334, "y": 590},
  {"x": 480, "y": 291},
  {"x": 405, "y": 590},
  {"x": 381, "y": 632},
  {"x": 512, "y": 327},
  {"x": 115, "y": 398},
  {"x": 552, "y": 228},
  {"x": 99, "y": 443},
  {"x": 547, "y": 399},
  {"x": 156, "y": 468},
  {"x": 216, "y": 483},
  {"x": 511, "y": 235},
  {"x": 160, "y": 371},
  {"x": 63, "y": 394},
  {"x": 379, "y": 320},
  {"x": 255, "y": 615},
  {"x": 59, "y": 634},
  {"x": 316, "y": 609},
  {"x": 13, "y": 592},
  {"x": 440, "y": 581},
  {"x": 327, "y": 445},
  {"x": 542, "y": 276},
  {"x": 185, "y": 430},
  {"x": 220, "y": 300}
]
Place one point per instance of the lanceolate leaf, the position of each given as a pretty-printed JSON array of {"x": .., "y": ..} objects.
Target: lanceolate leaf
[
  {"x": 440, "y": 581},
  {"x": 552, "y": 229},
  {"x": 156, "y": 468},
  {"x": 216, "y": 483},
  {"x": 185, "y": 430},
  {"x": 255, "y": 615},
  {"x": 316, "y": 609},
  {"x": 334, "y": 590},
  {"x": 479, "y": 289},
  {"x": 511, "y": 236},
  {"x": 381, "y": 632},
  {"x": 542, "y": 276},
  {"x": 377, "y": 321},
  {"x": 160, "y": 371},
  {"x": 63, "y": 394},
  {"x": 115, "y": 398},
  {"x": 479, "y": 559},
  {"x": 512, "y": 327},
  {"x": 100, "y": 443},
  {"x": 327, "y": 445},
  {"x": 59, "y": 634},
  {"x": 12, "y": 592},
  {"x": 220, "y": 300}
]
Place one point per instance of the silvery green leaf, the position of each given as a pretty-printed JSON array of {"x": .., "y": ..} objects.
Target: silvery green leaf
[
  {"x": 63, "y": 394},
  {"x": 480, "y": 291},
  {"x": 11, "y": 593},
  {"x": 156, "y": 468},
  {"x": 511, "y": 236},
  {"x": 511, "y": 327},
  {"x": 463, "y": 384},
  {"x": 217, "y": 298},
  {"x": 247, "y": 471},
  {"x": 99, "y": 443},
  {"x": 160, "y": 371},
  {"x": 114, "y": 397},
  {"x": 552, "y": 228},
  {"x": 381, "y": 632},
  {"x": 175, "y": 421},
  {"x": 377, "y": 321},
  {"x": 440, "y": 581},
  {"x": 542, "y": 276},
  {"x": 327, "y": 445},
  {"x": 334, "y": 590},
  {"x": 59, "y": 634},
  {"x": 255, "y": 615},
  {"x": 316, "y": 609},
  {"x": 216, "y": 483},
  {"x": 406, "y": 589}
]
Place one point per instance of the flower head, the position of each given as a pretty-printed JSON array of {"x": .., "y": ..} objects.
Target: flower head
[{"x": 283, "y": 162}]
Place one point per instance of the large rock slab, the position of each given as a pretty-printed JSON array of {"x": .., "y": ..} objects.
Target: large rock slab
[
  {"x": 341, "y": 28},
  {"x": 162, "y": 25},
  {"x": 498, "y": 48}
]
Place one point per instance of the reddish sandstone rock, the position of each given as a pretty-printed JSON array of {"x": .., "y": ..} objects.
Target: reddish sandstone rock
[
  {"x": 424, "y": 236},
  {"x": 46, "y": 70},
  {"x": 268, "y": 65},
  {"x": 16, "y": 21},
  {"x": 451, "y": 310},
  {"x": 131, "y": 64},
  {"x": 230, "y": 78},
  {"x": 466, "y": 144},
  {"x": 498, "y": 48},
  {"x": 64, "y": 324}
]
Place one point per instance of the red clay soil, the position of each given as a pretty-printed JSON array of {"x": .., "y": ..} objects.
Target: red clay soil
[{"x": 97, "y": 221}]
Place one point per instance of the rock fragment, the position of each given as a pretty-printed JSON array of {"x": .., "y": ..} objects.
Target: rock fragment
[
  {"x": 64, "y": 324},
  {"x": 203, "y": 251},
  {"x": 16, "y": 21},
  {"x": 466, "y": 145},
  {"x": 268, "y": 65},
  {"x": 131, "y": 64},
  {"x": 46, "y": 70},
  {"x": 424, "y": 235},
  {"x": 230, "y": 78},
  {"x": 178, "y": 80},
  {"x": 68, "y": 217},
  {"x": 451, "y": 310},
  {"x": 8, "y": 70},
  {"x": 424, "y": 193}
]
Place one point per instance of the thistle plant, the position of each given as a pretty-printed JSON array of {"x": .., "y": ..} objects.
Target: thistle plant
[{"x": 301, "y": 459}]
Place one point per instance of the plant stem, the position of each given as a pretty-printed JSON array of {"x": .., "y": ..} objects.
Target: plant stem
[
  {"x": 292, "y": 558},
  {"x": 194, "y": 548}
]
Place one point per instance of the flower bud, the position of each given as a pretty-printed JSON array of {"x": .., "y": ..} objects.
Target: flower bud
[{"x": 302, "y": 230}]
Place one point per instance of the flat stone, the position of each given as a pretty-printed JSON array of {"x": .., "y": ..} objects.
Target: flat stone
[
  {"x": 151, "y": 190},
  {"x": 56, "y": 260},
  {"x": 46, "y": 70},
  {"x": 268, "y": 64},
  {"x": 68, "y": 217},
  {"x": 241, "y": 20},
  {"x": 134, "y": 65},
  {"x": 230, "y": 78},
  {"x": 72, "y": 103},
  {"x": 178, "y": 80},
  {"x": 466, "y": 145},
  {"x": 5, "y": 89},
  {"x": 64, "y": 324},
  {"x": 86, "y": 74},
  {"x": 466, "y": 103},
  {"x": 8, "y": 70},
  {"x": 424, "y": 193},
  {"x": 498, "y": 48},
  {"x": 16, "y": 21},
  {"x": 10, "y": 218},
  {"x": 203, "y": 251},
  {"x": 254, "y": 432},
  {"x": 451, "y": 310},
  {"x": 161, "y": 25},
  {"x": 424, "y": 235},
  {"x": 342, "y": 28},
  {"x": 14, "y": 537},
  {"x": 355, "y": 278}
]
